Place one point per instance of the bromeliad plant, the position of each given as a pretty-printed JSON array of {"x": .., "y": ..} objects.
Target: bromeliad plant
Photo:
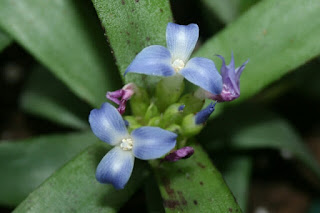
[{"x": 149, "y": 142}]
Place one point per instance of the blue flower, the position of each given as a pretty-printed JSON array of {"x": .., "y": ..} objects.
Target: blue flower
[
  {"x": 160, "y": 61},
  {"x": 231, "y": 81},
  {"x": 144, "y": 143}
]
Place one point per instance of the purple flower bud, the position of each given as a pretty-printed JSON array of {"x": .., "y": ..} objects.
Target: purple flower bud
[
  {"x": 126, "y": 123},
  {"x": 121, "y": 96},
  {"x": 204, "y": 114},
  {"x": 181, "y": 108},
  {"x": 182, "y": 153},
  {"x": 231, "y": 81}
]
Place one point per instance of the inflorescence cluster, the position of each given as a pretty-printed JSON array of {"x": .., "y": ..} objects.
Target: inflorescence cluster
[{"x": 161, "y": 124}]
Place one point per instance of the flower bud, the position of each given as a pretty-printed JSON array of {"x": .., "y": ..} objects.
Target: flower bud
[
  {"x": 155, "y": 121},
  {"x": 131, "y": 122},
  {"x": 202, "y": 116},
  {"x": 192, "y": 103},
  {"x": 121, "y": 96},
  {"x": 179, "y": 154},
  {"x": 168, "y": 91},
  {"x": 151, "y": 112},
  {"x": 139, "y": 102},
  {"x": 172, "y": 115},
  {"x": 193, "y": 124}
]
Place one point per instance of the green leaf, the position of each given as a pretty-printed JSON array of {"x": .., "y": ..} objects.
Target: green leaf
[
  {"x": 5, "y": 40},
  {"x": 194, "y": 185},
  {"x": 74, "y": 187},
  {"x": 268, "y": 35},
  {"x": 236, "y": 171},
  {"x": 66, "y": 37},
  {"x": 27, "y": 163},
  {"x": 130, "y": 27},
  {"x": 253, "y": 128},
  {"x": 47, "y": 97},
  {"x": 228, "y": 10}
]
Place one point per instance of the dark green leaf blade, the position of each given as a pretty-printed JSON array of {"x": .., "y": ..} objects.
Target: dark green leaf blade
[
  {"x": 27, "y": 163},
  {"x": 47, "y": 97},
  {"x": 251, "y": 127},
  {"x": 131, "y": 26},
  {"x": 194, "y": 185},
  {"x": 66, "y": 37},
  {"x": 268, "y": 35},
  {"x": 236, "y": 170},
  {"x": 74, "y": 188},
  {"x": 5, "y": 40}
]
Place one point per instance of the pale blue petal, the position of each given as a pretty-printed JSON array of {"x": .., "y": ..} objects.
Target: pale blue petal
[
  {"x": 181, "y": 40},
  {"x": 152, "y": 142},
  {"x": 203, "y": 73},
  {"x": 115, "y": 168},
  {"x": 241, "y": 68},
  {"x": 107, "y": 124},
  {"x": 152, "y": 60}
]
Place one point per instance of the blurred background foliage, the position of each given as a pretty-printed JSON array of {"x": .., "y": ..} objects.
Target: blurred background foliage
[{"x": 56, "y": 65}]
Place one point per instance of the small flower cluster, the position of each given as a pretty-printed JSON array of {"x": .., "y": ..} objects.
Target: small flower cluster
[{"x": 163, "y": 123}]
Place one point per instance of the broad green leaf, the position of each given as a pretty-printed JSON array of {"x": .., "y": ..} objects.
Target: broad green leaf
[
  {"x": 228, "y": 10},
  {"x": 236, "y": 171},
  {"x": 131, "y": 26},
  {"x": 47, "y": 97},
  {"x": 25, "y": 164},
  {"x": 268, "y": 35},
  {"x": 194, "y": 185},
  {"x": 5, "y": 40},
  {"x": 74, "y": 188},
  {"x": 67, "y": 38},
  {"x": 252, "y": 128}
]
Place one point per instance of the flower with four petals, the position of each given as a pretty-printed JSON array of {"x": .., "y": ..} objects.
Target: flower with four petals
[
  {"x": 144, "y": 143},
  {"x": 160, "y": 61}
]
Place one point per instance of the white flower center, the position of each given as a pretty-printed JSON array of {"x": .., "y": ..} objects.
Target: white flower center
[
  {"x": 178, "y": 64},
  {"x": 126, "y": 144}
]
